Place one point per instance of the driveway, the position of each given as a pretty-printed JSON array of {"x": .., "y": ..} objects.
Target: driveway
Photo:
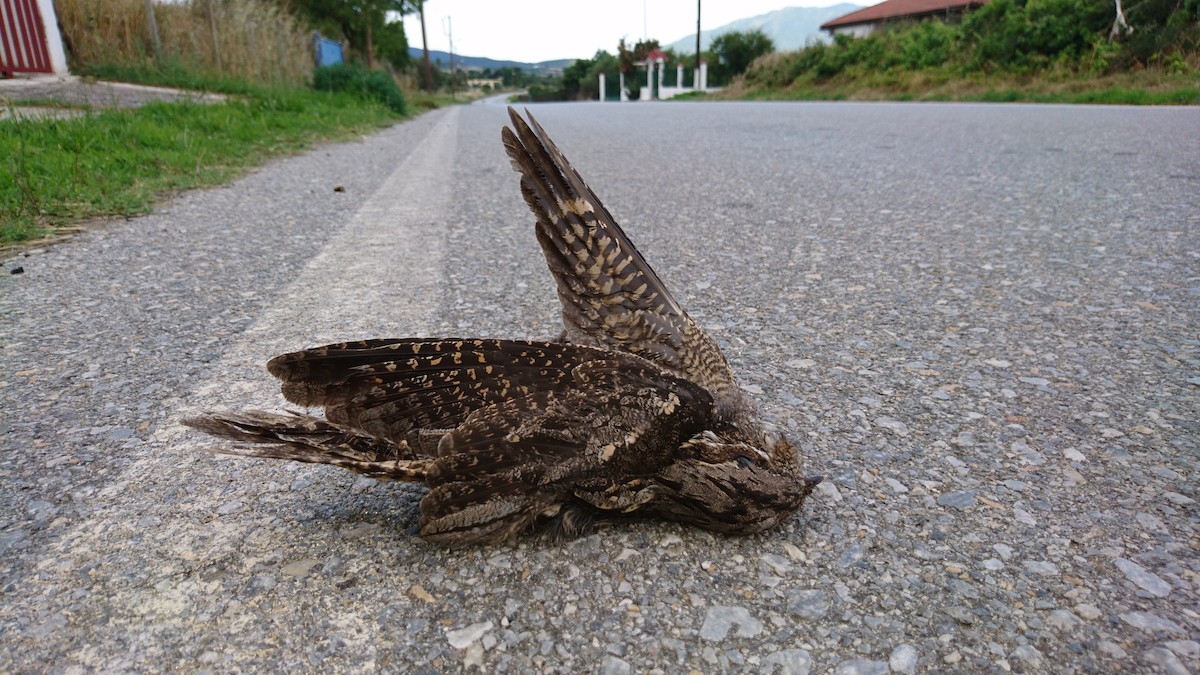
[{"x": 70, "y": 96}]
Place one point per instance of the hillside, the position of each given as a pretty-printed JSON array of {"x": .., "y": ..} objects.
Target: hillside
[
  {"x": 1005, "y": 50},
  {"x": 482, "y": 62},
  {"x": 790, "y": 28}
]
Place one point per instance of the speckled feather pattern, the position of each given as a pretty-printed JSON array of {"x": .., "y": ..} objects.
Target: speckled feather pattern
[{"x": 634, "y": 412}]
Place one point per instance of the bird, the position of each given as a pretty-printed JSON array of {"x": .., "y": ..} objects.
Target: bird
[{"x": 632, "y": 411}]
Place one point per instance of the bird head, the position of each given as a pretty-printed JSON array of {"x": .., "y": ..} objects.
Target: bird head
[{"x": 733, "y": 481}]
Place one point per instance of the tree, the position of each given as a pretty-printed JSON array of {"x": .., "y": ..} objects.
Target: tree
[
  {"x": 581, "y": 80},
  {"x": 391, "y": 44},
  {"x": 359, "y": 22},
  {"x": 737, "y": 50},
  {"x": 627, "y": 60},
  {"x": 628, "y": 57}
]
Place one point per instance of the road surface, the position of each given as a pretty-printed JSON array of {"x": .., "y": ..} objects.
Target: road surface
[{"x": 979, "y": 322}]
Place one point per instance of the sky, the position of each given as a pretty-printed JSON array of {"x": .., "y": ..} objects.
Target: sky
[{"x": 543, "y": 30}]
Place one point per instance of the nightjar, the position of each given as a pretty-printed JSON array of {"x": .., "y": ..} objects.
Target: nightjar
[{"x": 632, "y": 411}]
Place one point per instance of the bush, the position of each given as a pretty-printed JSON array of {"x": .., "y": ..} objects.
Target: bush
[
  {"x": 1161, "y": 27},
  {"x": 736, "y": 51},
  {"x": 1022, "y": 35},
  {"x": 376, "y": 86},
  {"x": 927, "y": 45},
  {"x": 1015, "y": 37}
]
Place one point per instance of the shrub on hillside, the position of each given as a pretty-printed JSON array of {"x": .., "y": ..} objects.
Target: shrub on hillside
[
  {"x": 1175, "y": 31},
  {"x": 1014, "y": 34},
  {"x": 1006, "y": 36},
  {"x": 377, "y": 85}
]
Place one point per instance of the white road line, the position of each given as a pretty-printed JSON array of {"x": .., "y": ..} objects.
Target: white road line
[{"x": 379, "y": 277}]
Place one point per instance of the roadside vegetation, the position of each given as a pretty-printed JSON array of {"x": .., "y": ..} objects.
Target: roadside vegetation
[
  {"x": 58, "y": 173},
  {"x": 1006, "y": 50}
]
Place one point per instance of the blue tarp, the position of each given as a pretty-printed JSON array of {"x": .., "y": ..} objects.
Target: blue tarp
[{"x": 327, "y": 51}]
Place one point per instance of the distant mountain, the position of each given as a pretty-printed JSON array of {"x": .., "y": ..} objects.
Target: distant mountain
[
  {"x": 442, "y": 60},
  {"x": 790, "y": 28}
]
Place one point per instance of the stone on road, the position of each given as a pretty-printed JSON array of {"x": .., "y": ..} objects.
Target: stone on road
[{"x": 976, "y": 321}]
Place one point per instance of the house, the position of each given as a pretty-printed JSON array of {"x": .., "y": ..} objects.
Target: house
[
  {"x": 867, "y": 20},
  {"x": 481, "y": 82}
]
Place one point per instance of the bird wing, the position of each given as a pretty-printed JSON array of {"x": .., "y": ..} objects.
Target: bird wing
[
  {"x": 395, "y": 389},
  {"x": 615, "y": 423},
  {"x": 609, "y": 293}
]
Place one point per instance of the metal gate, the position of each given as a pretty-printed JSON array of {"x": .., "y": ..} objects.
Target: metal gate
[{"x": 22, "y": 38}]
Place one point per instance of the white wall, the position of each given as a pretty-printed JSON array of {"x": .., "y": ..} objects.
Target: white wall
[
  {"x": 857, "y": 30},
  {"x": 54, "y": 43}
]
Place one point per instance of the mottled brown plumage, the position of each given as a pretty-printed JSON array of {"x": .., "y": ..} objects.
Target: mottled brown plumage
[{"x": 634, "y": 411}]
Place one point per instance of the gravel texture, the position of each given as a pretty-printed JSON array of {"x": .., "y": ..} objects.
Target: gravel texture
[{"x": 979, "y": 323}]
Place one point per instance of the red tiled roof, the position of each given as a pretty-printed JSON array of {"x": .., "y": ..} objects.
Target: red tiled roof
[{"x": 895, "y": 9}]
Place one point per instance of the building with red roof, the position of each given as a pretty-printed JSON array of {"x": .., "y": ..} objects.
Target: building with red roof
[{"x": 867, "y": 20}]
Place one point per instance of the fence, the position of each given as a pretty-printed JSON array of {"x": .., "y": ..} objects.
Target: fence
[{"x": 22, "y": 39}]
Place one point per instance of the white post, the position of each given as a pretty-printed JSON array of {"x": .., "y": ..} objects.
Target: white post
[
  {"x": 54, "y": 43},
  {"x": 624, "y": 94},
  {"x": 703, "y": 77},
  {"x": 602, "y": 87},
  {"x": 679, "y": 77},
  {"x": 662, "y": 70},
  {"x": 649, "y": 81}
]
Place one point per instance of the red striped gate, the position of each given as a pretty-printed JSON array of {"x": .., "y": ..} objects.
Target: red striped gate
[{"x": 22, "y": 38}]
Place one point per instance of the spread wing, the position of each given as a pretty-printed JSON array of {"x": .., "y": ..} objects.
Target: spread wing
[
  {"x": 609, "y": 293},
  {"x": 602, "y": 434},
  {"x": 398, "y": 389}
]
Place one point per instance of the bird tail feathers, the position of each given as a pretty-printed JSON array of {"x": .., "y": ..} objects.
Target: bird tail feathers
[{"x": 302, "y": 438}]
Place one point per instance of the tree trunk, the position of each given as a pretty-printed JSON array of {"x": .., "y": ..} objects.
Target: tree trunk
[
  {"x": 212, "y": 27},
  {"x": 1120, "y": 26},
  {"x": 152, "y": 28},
  {"x": 370, "y": 50}
]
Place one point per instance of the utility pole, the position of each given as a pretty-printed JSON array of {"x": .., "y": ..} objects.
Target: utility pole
[
  {"x": 696, "y": 74},
  {"x": 453, "y": 68},
  {"x": 425, "y": 48}
]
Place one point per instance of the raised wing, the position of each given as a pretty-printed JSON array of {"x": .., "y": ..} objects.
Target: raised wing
[{"x": 609, "y": 293}]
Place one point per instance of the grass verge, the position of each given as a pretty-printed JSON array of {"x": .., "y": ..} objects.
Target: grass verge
[
  {"x": 57, "y": 172},
  {"x": 1134, "y": 88}
]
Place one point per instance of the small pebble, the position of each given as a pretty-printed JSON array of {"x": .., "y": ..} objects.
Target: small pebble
[
  {"x": 903, "y": 659},
  {"x": 721, "y": 620},
  {"x": 1152, "y": 623},
  {"x": 959, "y": 500},
  {"x": 463, "y": 637},
  {"x": 1143, "y": 578}
]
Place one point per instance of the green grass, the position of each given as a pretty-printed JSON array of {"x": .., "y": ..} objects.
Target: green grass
[
  {"x": 1138, "y": 88},
  {"x": 118, "y": 163},
  {"x": 170, "y": 73}
]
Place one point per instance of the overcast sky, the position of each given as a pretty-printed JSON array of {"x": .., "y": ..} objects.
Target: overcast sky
[{"x": 541, "y": 30}]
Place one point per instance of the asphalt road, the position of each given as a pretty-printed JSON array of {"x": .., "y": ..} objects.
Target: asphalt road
[{"x": 980, "y": 322}]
